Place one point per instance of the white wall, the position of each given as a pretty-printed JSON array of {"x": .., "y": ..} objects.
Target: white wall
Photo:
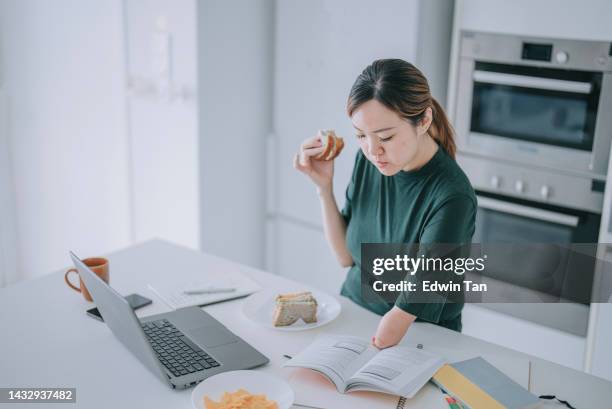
[
  {"x": 163, "y": 119},
  {"x": 63, "y": 67},
  {"x": 102, "y": 147},
  {"x": 235, "y": 81}
]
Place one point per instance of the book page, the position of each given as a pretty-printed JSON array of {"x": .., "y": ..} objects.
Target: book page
[
  {"x": 338, "y": 357},
  {"x": 313, "y": 389},
  {"x": 400, "y": 370}
]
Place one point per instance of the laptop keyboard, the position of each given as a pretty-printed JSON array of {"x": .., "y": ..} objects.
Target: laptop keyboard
[{"x": 175, "y": 350}]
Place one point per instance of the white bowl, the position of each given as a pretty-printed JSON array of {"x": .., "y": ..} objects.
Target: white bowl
[{"x": 254, "y": 382}]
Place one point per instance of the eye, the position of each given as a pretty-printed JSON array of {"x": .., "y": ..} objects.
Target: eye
[
  {"x": 387, "y": 138},
  {"x": 359, "y": 136}
]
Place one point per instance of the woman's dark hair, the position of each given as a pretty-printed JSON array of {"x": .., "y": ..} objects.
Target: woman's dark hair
[{"x": 401, "y": 87}]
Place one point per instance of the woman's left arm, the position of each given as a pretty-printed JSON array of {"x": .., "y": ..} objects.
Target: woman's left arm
[
  {"x": 452, "y": 223},
  {"x": 392, "y": 327}
]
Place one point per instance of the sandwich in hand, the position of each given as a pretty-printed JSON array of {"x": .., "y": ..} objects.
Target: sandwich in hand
[
  {"x": 332, "y": 145},
  {"x": 293, "y": 306}
]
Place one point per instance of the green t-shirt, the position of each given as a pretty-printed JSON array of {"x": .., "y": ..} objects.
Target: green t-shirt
[{"x": 434, "y": 204}]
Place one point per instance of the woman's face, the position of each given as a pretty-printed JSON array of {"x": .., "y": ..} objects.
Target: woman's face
[{"x": 390, "y": 142}]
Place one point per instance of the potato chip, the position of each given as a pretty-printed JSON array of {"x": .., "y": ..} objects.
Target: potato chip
[{"x": 241, "y": 399}]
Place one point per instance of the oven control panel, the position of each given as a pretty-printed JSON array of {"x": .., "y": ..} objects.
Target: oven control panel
[{"x": 536, "y": 184}]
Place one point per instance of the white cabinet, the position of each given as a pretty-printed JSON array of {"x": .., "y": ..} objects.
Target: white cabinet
[
  {"x": 8, "y": 228},
  {"x": 600, "y": 342},
  {"x": 525, "y": 336},
  {"x": 303, "y": 255},
  {"x": 542, "y": 18},
  {"x": 235, "y": 115}
]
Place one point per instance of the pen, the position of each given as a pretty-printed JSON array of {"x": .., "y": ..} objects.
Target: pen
[{"x": 208, "y": 291}]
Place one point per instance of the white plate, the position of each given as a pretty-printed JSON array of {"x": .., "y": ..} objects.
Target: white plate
[
  {"x": 254, "y": 382},
  {"x": 260, "y": 306}
]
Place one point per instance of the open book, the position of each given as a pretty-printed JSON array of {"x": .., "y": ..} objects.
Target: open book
[{"x": 353, "y": 364}]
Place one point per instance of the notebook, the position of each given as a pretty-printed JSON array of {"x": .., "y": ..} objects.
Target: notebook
[
  {"x": 172, "y": 292},
  {"x": 516, "y": 368},
  {"x": 479, "y": 385}
]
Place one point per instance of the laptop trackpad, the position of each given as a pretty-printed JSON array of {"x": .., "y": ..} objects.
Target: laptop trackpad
[{"x": 212, "y": 336}]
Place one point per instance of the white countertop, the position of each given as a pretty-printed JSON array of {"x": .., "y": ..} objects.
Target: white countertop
[{"x": 48, "y": 340}]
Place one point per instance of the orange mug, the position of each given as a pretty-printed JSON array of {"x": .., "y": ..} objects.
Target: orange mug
[{"x": 98, "y": 265}]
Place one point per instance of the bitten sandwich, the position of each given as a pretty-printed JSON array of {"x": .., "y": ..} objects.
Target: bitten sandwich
[
  {"x": 332, "y": 145},
  {"x": 293, "y": 306}
]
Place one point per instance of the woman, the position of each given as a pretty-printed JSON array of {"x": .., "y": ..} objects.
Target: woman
[{"x": 405, "y": 188}]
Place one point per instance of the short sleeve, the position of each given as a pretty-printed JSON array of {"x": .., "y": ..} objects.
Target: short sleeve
[
  {"x": 446, "y": 235},
  {"x": 346, "y": 211}
]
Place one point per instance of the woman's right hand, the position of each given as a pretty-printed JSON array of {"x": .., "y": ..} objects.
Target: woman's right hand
[{"x": 321, "y": 172}]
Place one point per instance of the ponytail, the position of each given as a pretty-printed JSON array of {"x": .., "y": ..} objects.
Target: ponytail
[{"x": 441, "y": 130}]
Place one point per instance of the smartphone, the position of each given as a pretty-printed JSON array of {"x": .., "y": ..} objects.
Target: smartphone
[{"x": 136, "y": 301}]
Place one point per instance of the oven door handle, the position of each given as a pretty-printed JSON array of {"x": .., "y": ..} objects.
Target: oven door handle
[
  {"x": 532, "y": 82},
  {"x": 526, "y": 211}
]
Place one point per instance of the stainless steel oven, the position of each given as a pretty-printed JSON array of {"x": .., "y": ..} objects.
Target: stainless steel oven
[
  {"x": 533, "y": 118},
  {"x": 529, "y": 99}
]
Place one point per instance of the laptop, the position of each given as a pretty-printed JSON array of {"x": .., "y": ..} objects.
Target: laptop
[{"x": 181, "y": 347}]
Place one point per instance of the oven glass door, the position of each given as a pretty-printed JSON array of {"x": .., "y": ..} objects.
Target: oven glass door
[
  {"x": 543, "y": 105},
  {"x": 536, "y": 261}
]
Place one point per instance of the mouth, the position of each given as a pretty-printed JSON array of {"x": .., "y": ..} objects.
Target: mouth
[{"x": 381, "y": 164}]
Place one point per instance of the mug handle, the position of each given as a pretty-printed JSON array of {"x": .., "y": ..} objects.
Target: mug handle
[{"x": 77, "y": 289}]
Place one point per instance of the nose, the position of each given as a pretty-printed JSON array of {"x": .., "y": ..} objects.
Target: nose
[{"x": 374, "y": 147}]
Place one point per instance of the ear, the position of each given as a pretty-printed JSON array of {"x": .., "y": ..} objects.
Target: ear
[{"x": 425, "y": 122}]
